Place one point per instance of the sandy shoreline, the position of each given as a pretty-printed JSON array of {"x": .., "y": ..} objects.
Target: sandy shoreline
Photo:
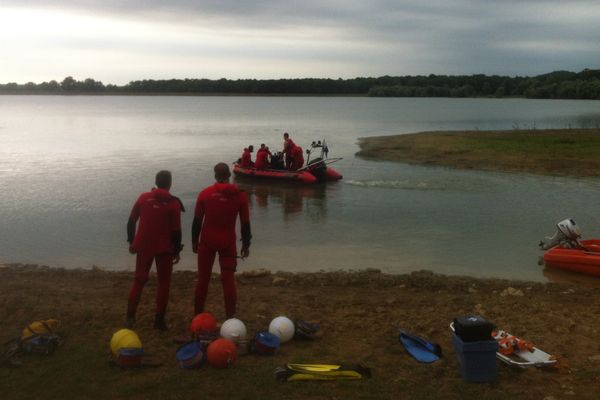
[
  {"x": 559, "y": 152},
  {"x": 361, "y": 314}
]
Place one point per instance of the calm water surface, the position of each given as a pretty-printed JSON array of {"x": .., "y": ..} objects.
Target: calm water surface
[{"x": 71, "y": 168}]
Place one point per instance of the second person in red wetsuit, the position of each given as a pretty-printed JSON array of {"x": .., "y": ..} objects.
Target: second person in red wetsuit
[
  {"x": 247, "y": 157},
  {"x": 297, "y": 158},
  {"x": 262, "y": 157},
  {"x": 213, "y": 231}
]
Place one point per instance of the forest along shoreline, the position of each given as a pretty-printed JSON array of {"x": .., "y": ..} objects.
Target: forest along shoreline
[{"x": 556, "y": 152}]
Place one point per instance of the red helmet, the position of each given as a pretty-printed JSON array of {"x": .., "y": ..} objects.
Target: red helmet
[
  {"x": 203, "y": 323},
  {"x": 221, "y": 353}
]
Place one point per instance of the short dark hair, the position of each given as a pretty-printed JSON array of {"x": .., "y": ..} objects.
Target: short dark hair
[
  {"x": 163, "y": 179},
  {"x": 250, "y": 147},
  {"x": 222, "y": 171},
  {"x": 286, "y": 135}
]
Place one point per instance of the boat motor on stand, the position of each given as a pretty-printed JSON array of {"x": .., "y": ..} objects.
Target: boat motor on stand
[{"x": 567, "y": 235}]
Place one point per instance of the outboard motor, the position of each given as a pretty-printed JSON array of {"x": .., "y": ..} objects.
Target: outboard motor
[{"x": 567, "y": 235}]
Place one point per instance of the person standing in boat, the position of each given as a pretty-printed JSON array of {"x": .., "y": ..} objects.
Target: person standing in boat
[
  {"x": 247, "y": 157},
  {"x": 297, "y": 158},
  {"x": 158, "y": 239},
  {"x": 213, "y": 231},
  {"x": 288, "y": 147},
  {"x": 262, "y": 157}
]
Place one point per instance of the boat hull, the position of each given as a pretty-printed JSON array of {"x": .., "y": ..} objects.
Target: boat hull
[
  {"x": 304, "y": 176},
  {"x": 576, "y": 260}
]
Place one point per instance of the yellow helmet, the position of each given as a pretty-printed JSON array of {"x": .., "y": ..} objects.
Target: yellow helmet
[
  {"x": 46, "y": 327},
  {"x": 124, "y": 339}
]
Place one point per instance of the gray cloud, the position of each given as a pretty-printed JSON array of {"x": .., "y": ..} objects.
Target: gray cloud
[{"x": 370, "y": 38}]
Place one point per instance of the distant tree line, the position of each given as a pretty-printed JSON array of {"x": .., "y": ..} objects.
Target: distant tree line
[{"x": 554, "y": 85}]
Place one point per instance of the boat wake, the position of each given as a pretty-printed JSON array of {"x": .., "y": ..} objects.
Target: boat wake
[{"x": 399, "y": 184}]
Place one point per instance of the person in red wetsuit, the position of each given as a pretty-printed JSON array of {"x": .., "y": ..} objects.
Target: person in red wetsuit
[
  {"x": 213, "y": 231},
  {"x": 247, "y": 157},
  {"x": 288, "y": 147},
  {"x": 262, "y": 157},
  {"x": 157, "y": 239},
  {"x": 297, "y": 158}
]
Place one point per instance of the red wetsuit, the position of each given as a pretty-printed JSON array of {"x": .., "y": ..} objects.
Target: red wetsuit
[
  {"x": 158, "y": 238},
  {"x": 288, "y": 147},
  {"x": 297, "y": 158},
  {"x": 215, "y": 216},
  {"x": 247, "y": 159},
  {"x": 262, "y": 159}
]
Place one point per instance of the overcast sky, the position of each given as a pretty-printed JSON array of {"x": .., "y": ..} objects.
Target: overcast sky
[{"x": 117, "y": 41}]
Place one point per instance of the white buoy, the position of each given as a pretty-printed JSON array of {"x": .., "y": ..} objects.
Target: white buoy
[
  {"x": 234, "y": 330},
  {"x": 283, "y": 328}
]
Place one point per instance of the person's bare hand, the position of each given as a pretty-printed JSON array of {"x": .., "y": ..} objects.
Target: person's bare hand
[
  {"x": 176, "y": 259},
  {"x": 132, "y": 250},
  {"x": 245, "y": 252}
]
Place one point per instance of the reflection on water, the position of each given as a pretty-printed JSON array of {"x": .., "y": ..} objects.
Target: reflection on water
[
  {"x": 71, "y": 167},
  {"x": 291, "y": 198}
]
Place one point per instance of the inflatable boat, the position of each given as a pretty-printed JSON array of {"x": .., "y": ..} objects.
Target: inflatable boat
[
  {"x": 565, "y": 250},
  {"x": 585, "y": 260},
  {"x": 318, "y": 173},
  {"x": 315, "y": 170}
]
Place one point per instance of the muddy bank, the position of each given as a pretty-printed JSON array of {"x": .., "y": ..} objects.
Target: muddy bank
[
  {"x": 360, "y": 312},
  {"x": 569, "y": 152}
]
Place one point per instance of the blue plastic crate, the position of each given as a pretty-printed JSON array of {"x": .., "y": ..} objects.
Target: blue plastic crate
[{"x": 476, "y": 360}]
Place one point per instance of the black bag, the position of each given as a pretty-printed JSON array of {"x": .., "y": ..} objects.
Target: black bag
[{"x": 473, "y": 328}]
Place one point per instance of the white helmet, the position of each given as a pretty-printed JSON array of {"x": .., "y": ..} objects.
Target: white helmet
[
  {"x": 282, "y": 327},
  {"x": 569, "y": 228},
  {"x": 233, "y": 329}
]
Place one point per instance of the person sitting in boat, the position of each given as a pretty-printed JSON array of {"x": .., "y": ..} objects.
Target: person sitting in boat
[
  {"x": 297, "y": 158},
  {"x": 262, "y": 157},
  {"x": 288, "y": 147},
  {"x": 247, "y": 157}
]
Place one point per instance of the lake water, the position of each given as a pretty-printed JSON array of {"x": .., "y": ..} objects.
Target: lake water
[{"x": 71, "y": 168}]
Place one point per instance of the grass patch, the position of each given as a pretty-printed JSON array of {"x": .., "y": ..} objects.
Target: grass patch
[{"x": 551, "y": 152}]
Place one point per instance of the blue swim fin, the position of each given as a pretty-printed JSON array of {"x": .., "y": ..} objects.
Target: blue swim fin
[{"x": 419, "y": 348}]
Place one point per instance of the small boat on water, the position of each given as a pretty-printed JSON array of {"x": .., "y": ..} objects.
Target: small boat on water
[
  {"x": 585, "y": 260},
  {"x": 315, "y": 170},
  {"x": 565, "y": 251}
]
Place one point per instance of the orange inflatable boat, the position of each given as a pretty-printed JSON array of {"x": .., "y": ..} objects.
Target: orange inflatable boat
[{"x": 585, "y": 259}]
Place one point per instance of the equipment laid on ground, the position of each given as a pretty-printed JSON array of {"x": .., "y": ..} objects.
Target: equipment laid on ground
[
  {"x": 221, "y": 353},
  {"x": 476, "y": 358},
  {"x": 234, "y": 330},
  {"x": 419, "y": 348},
  {"x": 321, "y": 372},
  {"x": 204, "y": 327},
  {"x": 283, "y": 328},
  {"x": 190, "y": 355},
  {"x": 124, "y": 339},
  {"x": 127, "y": 351},
  {"x": 265, "y": 343},
  {"x": 519, "y": 352},
  {"x": 565, "y": 250},
  {"x": 307, "y": 330}
]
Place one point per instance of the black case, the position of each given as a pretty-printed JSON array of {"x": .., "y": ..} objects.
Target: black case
[{"x": 473, "y": 328}]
